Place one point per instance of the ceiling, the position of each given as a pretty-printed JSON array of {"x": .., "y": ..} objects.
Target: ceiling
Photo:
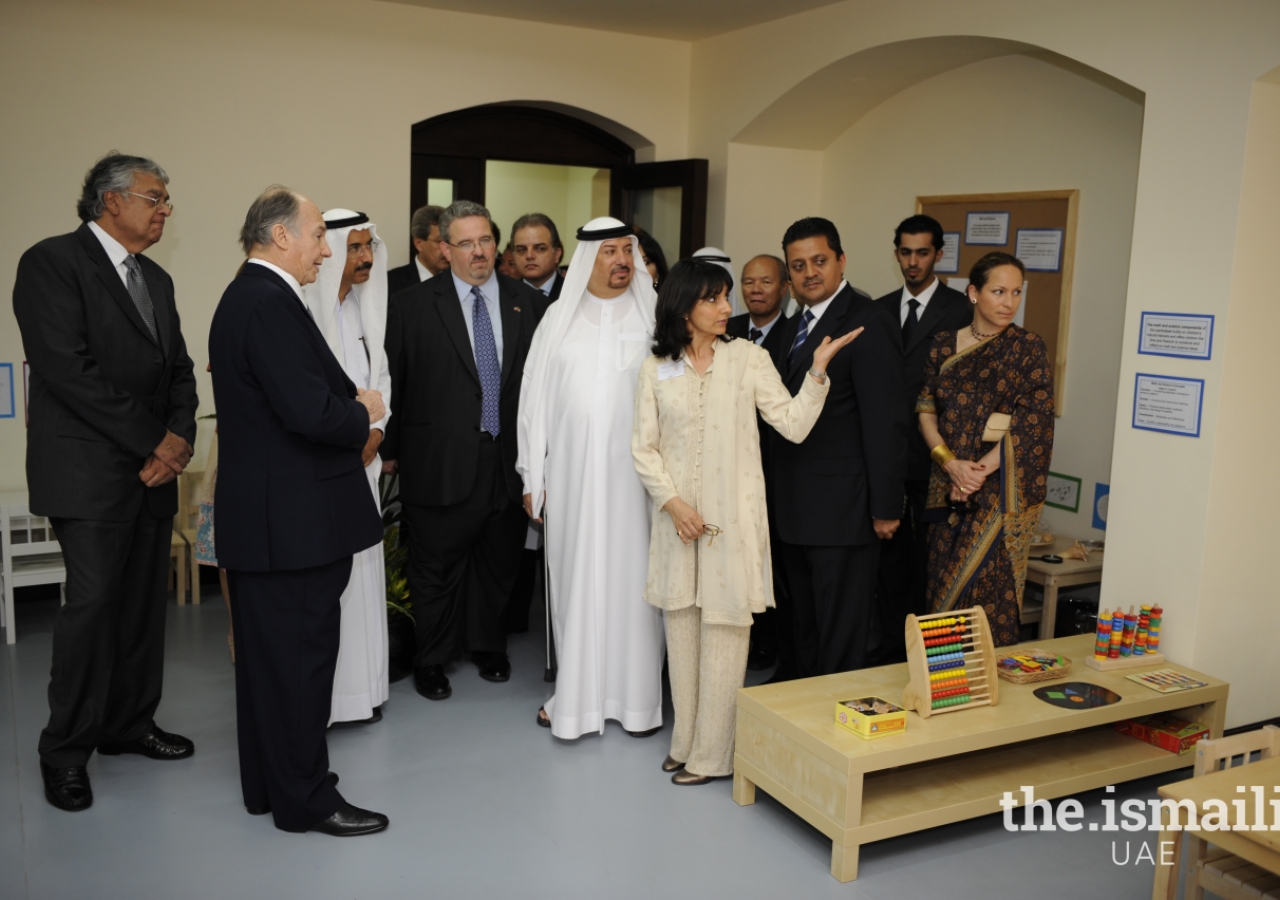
[{"x": 685, "y": 20}]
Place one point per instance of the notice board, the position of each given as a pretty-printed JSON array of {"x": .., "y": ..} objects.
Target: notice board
[{"x": 1039, "y": 227}]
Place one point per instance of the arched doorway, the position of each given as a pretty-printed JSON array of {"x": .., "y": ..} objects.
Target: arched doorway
[{"x": 453, "y": 152}]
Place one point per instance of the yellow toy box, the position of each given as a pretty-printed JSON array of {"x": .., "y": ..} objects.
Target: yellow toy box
[{"x": 871, "y": 717}]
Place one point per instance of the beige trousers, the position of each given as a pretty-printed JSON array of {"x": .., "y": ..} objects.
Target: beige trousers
[{"x": 707, "y": 664}]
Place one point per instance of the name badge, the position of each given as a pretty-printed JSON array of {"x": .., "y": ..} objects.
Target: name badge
[{"x": 670, "y": 369}]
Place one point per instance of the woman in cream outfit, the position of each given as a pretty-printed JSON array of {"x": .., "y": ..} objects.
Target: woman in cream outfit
[{"x": 697, "y": 450}]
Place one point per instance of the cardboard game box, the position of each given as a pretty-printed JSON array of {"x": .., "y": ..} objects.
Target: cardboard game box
[{"x": 1165, "y": 732}]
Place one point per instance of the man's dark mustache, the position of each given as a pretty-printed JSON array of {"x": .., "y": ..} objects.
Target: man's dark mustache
[{"x": 364, "y": 267}]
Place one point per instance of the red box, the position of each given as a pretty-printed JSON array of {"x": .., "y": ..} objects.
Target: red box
[{"x": 1165, "y": 732}]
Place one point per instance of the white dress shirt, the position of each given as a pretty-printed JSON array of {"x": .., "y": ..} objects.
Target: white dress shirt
[
  {"x": 488, "y": 290},
  {"x": 765, "y": 328},
  {"x": 423, "y": 272},
  {"x": 820, "y": 308},
  {"x": 115, "y": 252},
  {"x": 288, "y": 279},
  {"x": 922, "y": 298}
]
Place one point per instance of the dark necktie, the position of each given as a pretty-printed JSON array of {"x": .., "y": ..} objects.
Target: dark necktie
[
  {"x": 487, "y": 364},
  {"x": 909, "y": 326},
  {"x": 802, "y": 333},
  {"x": 141, "y": 297},
  {"x": 753, "y": 335}
]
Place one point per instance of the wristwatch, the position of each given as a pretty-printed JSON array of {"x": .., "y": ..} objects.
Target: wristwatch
[{"x": 821, "y": 376}]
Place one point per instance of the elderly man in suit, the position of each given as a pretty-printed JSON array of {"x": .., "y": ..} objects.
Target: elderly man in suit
[
  {"x": 764, "y": 287},
  {"x": 456, "y": 346},
  {"x": 840, "y": 491},
  {"x": 428, "y": 259},
  {"x": 112, "y": 419},
  {"x": 293, "y": 506},
  {"x": 924, "y": 306}
]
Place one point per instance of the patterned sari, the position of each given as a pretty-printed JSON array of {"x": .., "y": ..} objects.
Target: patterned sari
[{"x": 978, "y": 549}]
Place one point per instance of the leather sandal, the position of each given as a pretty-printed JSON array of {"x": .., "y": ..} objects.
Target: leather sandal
[{"x": 543, "y": 719}]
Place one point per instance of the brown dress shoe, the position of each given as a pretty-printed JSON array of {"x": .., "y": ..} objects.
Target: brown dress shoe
[
  {"x": 670, "y": 764},
  {"x": 684, "y": 776}
]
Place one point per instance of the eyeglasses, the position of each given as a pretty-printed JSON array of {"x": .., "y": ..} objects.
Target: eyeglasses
[
  {"x": 358, "y": 249},
  {"x": 154, "y": 201},
  {"x": 712, "y": 531},
  {"x": 485, "y": 243}
]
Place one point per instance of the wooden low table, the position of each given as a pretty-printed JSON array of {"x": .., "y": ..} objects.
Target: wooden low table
[
  {"x": 1052, "y": 576},
  {"x": 1261, "y": 849},
  {"x": 946, "y": 768}
]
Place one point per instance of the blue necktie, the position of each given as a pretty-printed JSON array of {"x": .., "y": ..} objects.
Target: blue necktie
[
  {"x": 802, "y": 333},
  {"x": 486, "y": 364}
]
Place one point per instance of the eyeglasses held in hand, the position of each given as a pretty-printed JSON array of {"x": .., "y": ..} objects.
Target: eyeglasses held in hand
[{"x": 711, "y": 531}]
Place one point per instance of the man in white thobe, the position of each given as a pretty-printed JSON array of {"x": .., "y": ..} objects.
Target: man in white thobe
[
  {"x": 349, "y": 304},
  {"x": 576, "y": 406}
]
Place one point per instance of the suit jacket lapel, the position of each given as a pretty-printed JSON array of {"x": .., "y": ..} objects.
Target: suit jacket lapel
[
  {"x": 838, "y": 309},
  {"x": 510, "y": 327},
  {"x": 449, "y": 307},
  {"x": 110, "y": 279},
  {"x": 931, "y": 316}
]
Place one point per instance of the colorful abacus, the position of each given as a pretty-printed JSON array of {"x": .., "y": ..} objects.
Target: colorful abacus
[{"x": 951, "y": 661}]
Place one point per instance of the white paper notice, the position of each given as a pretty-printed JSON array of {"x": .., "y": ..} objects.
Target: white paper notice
[
  {"x": 987, "y": 228},
  {"x": 1040, "y": 249},
  {"x": 1164, "y": 403},
  {"x": 950, "y": 261},
  {"x": 1176, "y": 334},
  {"x": 670, "y": 369}
]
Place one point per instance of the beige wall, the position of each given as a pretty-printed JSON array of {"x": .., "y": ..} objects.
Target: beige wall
[
  {"x": 1239, "y": 617},
  {"x": 1057, "y": 130},
  {"x": 1186, "y": 208},
  {"x": 564, "y": 193},
  {"x": 232, "y": 96}
]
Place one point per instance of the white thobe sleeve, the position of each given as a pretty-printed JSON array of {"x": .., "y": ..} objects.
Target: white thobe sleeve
[{"x": 382, "y": 384}]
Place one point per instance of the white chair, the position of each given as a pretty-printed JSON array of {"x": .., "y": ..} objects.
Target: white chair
[{"x": 31, "y": 555}]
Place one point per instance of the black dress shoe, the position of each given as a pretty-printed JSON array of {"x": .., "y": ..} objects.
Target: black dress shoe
[
  {"x": 67, "y": 787},
  {"x": 431, "y": 682},
  {"x": 376, "y": 717},
  {"x": 495, "y": 667},
  {"x": 649, "y": 732},
  {"x": 348, "y": 821},
  {"x": 332, "y": 778},
  {"x": 156, "y": 744}
]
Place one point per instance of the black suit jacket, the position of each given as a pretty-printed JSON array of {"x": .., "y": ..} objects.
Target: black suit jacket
[
  {"x": 103, "y": 391},
  {"x": 850, "y": 468},
  {"x": 434, "y": 432},
  {"x": 292, "y": 491},
  {"x": 948, "y": 310},
  {"x": 740, "y": 327},
  {"x": 402, "y": 278}
]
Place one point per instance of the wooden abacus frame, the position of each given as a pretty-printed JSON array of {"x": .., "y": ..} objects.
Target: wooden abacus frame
[{"x": 979, "y": 663}]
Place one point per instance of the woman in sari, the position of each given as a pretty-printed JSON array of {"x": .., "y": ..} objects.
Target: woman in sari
[{"x": 987, "y": 412}]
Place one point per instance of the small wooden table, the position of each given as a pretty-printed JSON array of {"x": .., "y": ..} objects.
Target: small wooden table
[
  {"x": 1052, "y": 576},
  {"x": 1260, "y": 848},
  {"x": 945, "y": 768}
]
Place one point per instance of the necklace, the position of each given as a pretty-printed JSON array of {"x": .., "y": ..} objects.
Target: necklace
[{"x": 978, "y": 335}]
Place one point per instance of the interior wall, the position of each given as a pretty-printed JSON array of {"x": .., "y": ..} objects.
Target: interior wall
[
  {"x": 564, "y": 193},
  {"x": 1066, "y": 132},
  {"x": 232, "y": 96},
  {"x": 1240, "y": 536}
]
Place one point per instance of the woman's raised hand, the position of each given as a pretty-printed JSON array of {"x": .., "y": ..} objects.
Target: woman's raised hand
[
  {"x": 689, "y": 524},
  {"x": 829, "y": 348}
]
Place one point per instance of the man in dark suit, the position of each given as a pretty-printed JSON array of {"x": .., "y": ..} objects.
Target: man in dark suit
[
  {"x": 924, "y": 307},
  {"x": 112, "y": 420},
  {"x": 428, "y": 259},
  {"x": 841, "y": 489},
  {"x": 538, "y": 251},
  {"x": 456, "y": 346},
  {"x": 764, "y": 288},
  {"x": 293, "y": 507}
]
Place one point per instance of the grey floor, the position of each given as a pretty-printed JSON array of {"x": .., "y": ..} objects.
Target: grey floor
[{"x": 482, "y": 803}]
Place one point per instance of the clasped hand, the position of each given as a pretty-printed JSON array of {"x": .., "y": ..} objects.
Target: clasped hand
[
  {"x": 167, "y": 461},
  {"x": 689, "y": 524},
  {"x": 967, "y": 478}
]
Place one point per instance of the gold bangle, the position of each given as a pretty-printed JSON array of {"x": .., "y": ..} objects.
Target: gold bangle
[{"x": 941, "y": 455}]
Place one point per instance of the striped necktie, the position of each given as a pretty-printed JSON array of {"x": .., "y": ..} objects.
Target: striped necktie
[
  {"x": 802, "y": 334},
  {"x": 487, "y": 365},
  {"x": 137, "y": 286}
]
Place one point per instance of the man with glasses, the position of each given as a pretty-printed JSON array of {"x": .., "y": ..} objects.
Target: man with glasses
[
  {"x": 348, "y": 301},
  {"x": 112, "y": 421},
  {"x": 456, "y": 346}
]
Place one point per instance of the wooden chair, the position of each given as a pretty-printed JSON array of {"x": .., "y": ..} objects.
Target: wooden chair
[
  {"x": 178, "y": 554},
  {"x": 31, "y": 555},
  {"x": 185, "y": 524},
  {"x": 1215, "y": 870}
]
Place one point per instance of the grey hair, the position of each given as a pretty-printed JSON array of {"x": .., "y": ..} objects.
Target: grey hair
[
  {"x": 783, "y": 274},
  {"x": 115, "y": 173},
  {"x": 461, "y": 209},
  {"x": 539, "y": 220},
  {"x": 424, "y": 219},
  {"x": 277, "y": 205}
]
